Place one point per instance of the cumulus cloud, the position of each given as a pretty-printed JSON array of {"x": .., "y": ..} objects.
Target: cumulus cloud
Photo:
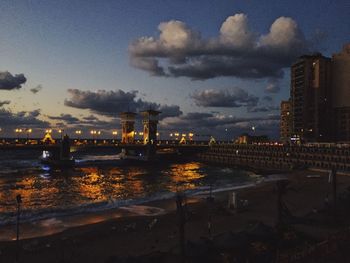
[
  {"x": 235, "y": 32},
  {"x": 4, "y": 102},
  {"x": 224, "y": 98},
  {"x": 36, "y": 89},
  {"x": 10, "y": 82},
  {"x": 237, "y": 51},
  {"x": 111, "y": 103}
]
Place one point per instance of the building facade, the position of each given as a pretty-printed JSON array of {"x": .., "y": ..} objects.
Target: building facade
[
  {"x": 311, "y": 108},
  {"x": 286, "y": 122},
  {"x": 341, "y": 93}
]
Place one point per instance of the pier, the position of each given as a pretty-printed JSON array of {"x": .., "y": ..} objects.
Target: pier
[{"x": 279, "y": 157}]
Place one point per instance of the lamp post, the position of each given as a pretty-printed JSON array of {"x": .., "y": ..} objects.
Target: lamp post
[
  {"x": 158, "y": 137},
  {"x": 29, "y": 131},
  {"x": 115, "y": 134},
  {"x": 18, "y": 201},
  {"x": 60, "y": 131},
  {"x": 93, "y": 133},
  {"x": 176, "y": 135},
  {"x": 18, "y": 131},
  {"x": 78, "y": 133}
]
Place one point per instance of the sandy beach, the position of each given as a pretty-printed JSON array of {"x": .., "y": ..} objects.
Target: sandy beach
[{"x": 122, "y": 233}]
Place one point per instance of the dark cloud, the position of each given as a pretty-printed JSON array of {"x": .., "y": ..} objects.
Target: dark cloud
[
  {"x": 90, "y": 118},
  {"x": 67, "y": 118},
  {"x": 216, "y": 124},
  {"x": 264, "y": 108},
  {"x": 224, "y": 98},
  {"x": 36, "y": 89},
  {"x": 10, "y": 82},
  {"x": 236, "y": 51},
  {"x": 111, "y": 103},
  {"x": 267, "y": 98},
  {"x": 4, "y": 102},
  {"x": 21, "y": 119}
]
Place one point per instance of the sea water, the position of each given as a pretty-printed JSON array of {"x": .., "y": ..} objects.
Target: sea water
[{"x": 98, "y": 183}]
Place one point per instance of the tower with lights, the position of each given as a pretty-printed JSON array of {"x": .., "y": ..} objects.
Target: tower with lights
[{"x": 128, "y": 129}]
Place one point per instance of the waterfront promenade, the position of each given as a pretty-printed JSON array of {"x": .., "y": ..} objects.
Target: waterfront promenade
[{"x": 279, "y": 157}]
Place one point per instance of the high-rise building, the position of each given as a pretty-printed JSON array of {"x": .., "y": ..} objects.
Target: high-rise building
[
  {"x": 341, "y": 93},
  {"x": 311, "y": 98},
  {"x": 285, "y": 124}
]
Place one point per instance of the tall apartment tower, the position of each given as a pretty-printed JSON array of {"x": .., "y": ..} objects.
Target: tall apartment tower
[
  {"x": 286, "y": 122},
  {"x": 128, "y": 129},
  {"x": 341, "y": 93},
  {"x": 311, "y": 98}
]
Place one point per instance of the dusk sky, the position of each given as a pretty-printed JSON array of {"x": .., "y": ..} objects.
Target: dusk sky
[{"x": 207, "y": 65}]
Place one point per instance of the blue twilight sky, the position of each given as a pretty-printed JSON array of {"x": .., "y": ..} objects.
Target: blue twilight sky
[{"x": 84, "y": 61}]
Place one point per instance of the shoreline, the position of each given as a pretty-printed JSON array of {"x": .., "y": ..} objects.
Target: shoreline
[
  {"x": 142, "y": 235},
  {"x": 157, "y": 205}
]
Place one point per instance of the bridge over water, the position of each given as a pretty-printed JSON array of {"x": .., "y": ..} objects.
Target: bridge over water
[{"x": 183, "y": 148}]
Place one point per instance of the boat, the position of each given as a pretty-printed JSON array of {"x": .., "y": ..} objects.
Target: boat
[
  {"x": 60, "y": 157},
  {"x": 50, "y": 159}
]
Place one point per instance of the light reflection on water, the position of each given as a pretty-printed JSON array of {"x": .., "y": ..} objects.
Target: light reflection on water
[{"x": 56, "y": 190}]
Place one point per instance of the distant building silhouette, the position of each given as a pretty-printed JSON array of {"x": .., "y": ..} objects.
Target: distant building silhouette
[
  {"x": 319, "y": 99},
  {"x": 311, "y": 98},
  {"x": 341, "y": 93}
]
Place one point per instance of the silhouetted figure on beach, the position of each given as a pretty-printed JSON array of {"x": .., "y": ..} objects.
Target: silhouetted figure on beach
[{"x": 181, "y": 212}]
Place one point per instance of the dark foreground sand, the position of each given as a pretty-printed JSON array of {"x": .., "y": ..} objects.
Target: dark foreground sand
[{"x": 136, "y": 236}]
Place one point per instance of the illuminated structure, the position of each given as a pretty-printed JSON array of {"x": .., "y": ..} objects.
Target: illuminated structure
[
  {"x": 48, "y": 138},
  {"x": 150, "y": 121},
  {"x": 128, "y": 129}
]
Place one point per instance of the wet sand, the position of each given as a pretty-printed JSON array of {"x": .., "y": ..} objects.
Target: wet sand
[{"x": 127, "y": 234}]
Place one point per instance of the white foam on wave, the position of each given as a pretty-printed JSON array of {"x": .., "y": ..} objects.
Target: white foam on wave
[
  {"x": 143, "y": 210},
  {"x": 94, "y": 158},
  {"x": 50, "y": 222}
]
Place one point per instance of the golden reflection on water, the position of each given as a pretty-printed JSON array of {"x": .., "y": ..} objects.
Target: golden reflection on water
[
  {"x": 32, "y": 192},
  {"x": 184, "y": 176},
  {"x": 91, "y": 185},
  {"x": 102, "y": 185}
]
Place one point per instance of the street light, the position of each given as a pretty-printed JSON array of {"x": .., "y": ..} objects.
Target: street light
[
  {"x": 29, "y": 131},
  {"x": 190, "y": 135},
  {"x": 253, "y": 129},
  {"x": 115, "y": 133},
  {"x": 18, "y": 131},
  {"x": 78, "y": 132}
]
